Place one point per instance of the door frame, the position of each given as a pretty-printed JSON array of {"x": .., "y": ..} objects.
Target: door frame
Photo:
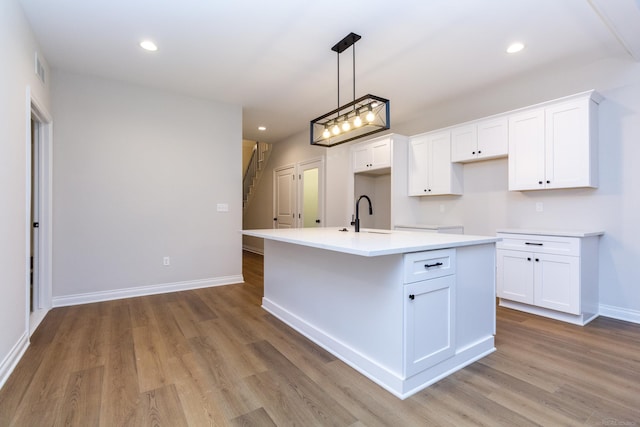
[{"x": 44, "y": 122}]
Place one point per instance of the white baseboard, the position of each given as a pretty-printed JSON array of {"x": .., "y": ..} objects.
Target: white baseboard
[
  {"x": 163, "y": 288},
  {"x": 252, "y": 249},
  {"x": 9, "y": 363},
  {"x": 619, "y": 313}
]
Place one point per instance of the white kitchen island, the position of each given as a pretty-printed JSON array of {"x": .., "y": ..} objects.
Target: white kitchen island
[{"x": 404, "y": 308}]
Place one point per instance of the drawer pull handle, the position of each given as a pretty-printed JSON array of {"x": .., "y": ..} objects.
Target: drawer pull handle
[
  {"x": 533, "y": 244},
  {"x": 437, "y": 264}
]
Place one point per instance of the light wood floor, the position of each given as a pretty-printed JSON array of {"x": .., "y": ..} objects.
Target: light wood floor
[{"x": 214, "y": 357}]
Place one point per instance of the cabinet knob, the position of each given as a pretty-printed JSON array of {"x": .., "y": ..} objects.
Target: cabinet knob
[
  {"x": 473, "y": 152},
  {"x": 429, "y": 189},
  {"x": 537, "y": 259},
  {"x": 548, "y": 182},
  {"x": 540, "y": 182},
  {"x": 528, "y": 258},
  {"x": 412, "y": 297},
  {"x": 425, "y": 190},
  {"x": 479, "y": 151}
]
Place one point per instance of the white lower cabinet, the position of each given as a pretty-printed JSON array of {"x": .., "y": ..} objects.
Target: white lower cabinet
[
  {"x": 551, "y": 275},
  {"x": 544, "y": 280},
  {"x": 429, "y": 309}
]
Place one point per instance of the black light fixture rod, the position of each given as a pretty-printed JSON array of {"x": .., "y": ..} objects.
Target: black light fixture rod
[
  {"x": 354, "y": 73},
  {"x": 338, "y": 55}
]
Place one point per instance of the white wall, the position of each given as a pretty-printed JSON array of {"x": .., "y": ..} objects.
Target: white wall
[
  {"x": 17, "y": 52},
  {"x": 138, "y": 174},
  {"x": 487, "y": 205}
]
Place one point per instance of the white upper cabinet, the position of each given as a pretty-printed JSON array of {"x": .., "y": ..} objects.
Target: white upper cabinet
[
  {"x": 372, "y": 155},
  {"x": 430, "y": 171},
  {"x": 555, "y": 145},
  {"x": 486, "y": 139}
]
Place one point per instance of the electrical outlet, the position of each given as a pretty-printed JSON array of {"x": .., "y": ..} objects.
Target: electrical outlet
[
  {"x": 166, "y": 261},
  {"x": 222, "y": 207},
  {"x": 539, "y": 207}
]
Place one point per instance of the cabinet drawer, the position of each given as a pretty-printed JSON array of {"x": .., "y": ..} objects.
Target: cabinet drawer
[
  {"x": 429, "y": 265},
  {"x": 541, "y": 244}
]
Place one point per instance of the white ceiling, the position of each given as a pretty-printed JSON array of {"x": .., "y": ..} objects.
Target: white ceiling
[{"x": 274, "y": 57}]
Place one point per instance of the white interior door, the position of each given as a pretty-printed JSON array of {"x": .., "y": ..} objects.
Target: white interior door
[
  {"x": 34, "y": 290},
  {"x": 311, "y": 193},
  {"x": 284, "y": 203}
]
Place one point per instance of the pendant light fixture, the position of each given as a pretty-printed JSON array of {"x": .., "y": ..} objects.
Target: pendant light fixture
[{"x": 360, "y": 117}]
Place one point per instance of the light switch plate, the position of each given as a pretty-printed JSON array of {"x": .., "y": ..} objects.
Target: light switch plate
[{"x": 222, "y": 207}]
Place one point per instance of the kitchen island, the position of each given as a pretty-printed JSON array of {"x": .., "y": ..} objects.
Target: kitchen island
[{"x": 403, "y": 308}]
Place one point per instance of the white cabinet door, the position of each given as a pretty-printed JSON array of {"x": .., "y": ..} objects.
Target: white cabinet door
[
  {"x": 429, "y": 323},
  {"x": 514, "y": 279},
  {"x": 557, "y": 282},
  {"x": 568, "y": 152},
  {"x": 372, "y": 155},
  {"x": 487, "y": 139},
  {"x": 554, "y": 147},
  {"x": 430, "y": 170},
  {"x": 464, "y": 143},
  {"x": 439, "y": 165},
  {"x": 361, "y": 155},
  {"x": 493, "y": 138},
  {"x": 526, "y": 150},
  {"x": 381, "y": 154},
  {"x": 417, "y": 167}
]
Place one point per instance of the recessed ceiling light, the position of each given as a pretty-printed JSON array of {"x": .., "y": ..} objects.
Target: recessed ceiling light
[
  {"x": 262, "y": 128},
  {"x": 148, "y": 45},
  {"x": 515, "y": 47}
]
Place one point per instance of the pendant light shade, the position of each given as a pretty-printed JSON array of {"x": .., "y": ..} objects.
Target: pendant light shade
[{"x": 360, "y": 117}]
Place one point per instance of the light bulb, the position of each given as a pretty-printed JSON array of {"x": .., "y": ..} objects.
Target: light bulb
[
  {"x": 357, "y": 122},
  {"x": 370, "y": 116},
  {"x": 335, "y": 129},
  {"x": 346, "y": 126},
  {"x": 326, "y": 133}
]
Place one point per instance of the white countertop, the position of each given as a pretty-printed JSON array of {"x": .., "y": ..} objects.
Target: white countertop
[
  {"x": 558, "y": 233},
  {"x": 369, "y": 242}
]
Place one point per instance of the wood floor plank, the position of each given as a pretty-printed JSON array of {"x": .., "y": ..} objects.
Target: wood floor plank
[
  {"x": 298, "y": 386},
  {"x": 80, "y": 405},
  {"x": 160, "y": 407},
  {"x": 213, "y": 356},
  {"x": 151, "y": 358},
  {"x": 200, "y": 406},
  {"x": 120, "y": 387},
  {"x": 258, "y": 417}
]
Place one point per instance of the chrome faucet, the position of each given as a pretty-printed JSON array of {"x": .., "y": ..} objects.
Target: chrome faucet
[{"x": 357, "y": 221}]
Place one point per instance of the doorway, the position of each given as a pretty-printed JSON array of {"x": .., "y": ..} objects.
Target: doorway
[
  {"x": 39, "y": 215},
  {"x": 298, "y": 195}
]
